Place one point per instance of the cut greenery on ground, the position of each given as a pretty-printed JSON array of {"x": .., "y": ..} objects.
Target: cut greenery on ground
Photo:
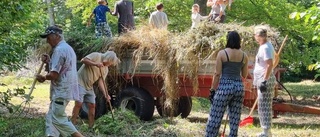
[{"x": 127, "y": 124}]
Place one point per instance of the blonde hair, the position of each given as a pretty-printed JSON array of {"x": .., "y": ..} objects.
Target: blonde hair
[
  {"x": 195, "y": 6},
  {"x": 110, "y": 56},
  {"x": 261, "y": 30}
]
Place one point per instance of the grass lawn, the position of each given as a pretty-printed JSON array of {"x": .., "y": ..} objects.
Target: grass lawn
[{"x": 32, "y": 123}]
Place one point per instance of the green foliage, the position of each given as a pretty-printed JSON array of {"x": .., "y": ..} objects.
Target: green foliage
[
  {"x": 5, "y": 97},
  {"x": 179, "y": 12},
  {"x": 121, "y": 125},
  {"x": 21, "y": 127},
  {"x": 17, "y": 31},
  {"x": 300, "y": 50},
  {"x": 315, "y": 67},
  {"x": 310, "y": 18},
  {"x": 304, "y": 89}
]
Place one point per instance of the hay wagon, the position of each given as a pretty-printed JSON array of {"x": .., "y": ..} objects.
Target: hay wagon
[
  {"x": 137, "y": 86},
  {"x": 139, "y": 89}
]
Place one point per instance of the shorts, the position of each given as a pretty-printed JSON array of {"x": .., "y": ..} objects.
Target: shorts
[
  {"x": 87, "y": 96},
  {"x": 57, "y": 120}
]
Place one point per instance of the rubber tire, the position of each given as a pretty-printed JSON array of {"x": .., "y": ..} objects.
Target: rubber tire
[
  {"x": 165, "y": 112},
  {"x": 101, "y": 106},
  {"x": 137, "y": 100},
  {"x": 185, "y": 105}
]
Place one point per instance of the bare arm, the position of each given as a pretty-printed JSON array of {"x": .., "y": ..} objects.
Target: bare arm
[
  {"x": 217, "y": 73},
  {"x": 52, "y": 75},
  {"x": 244, "y": 71},
  {"x": 269, "y": 69},
  {"x": 91, "y": 63},
  {"x": 89, "y": 20}
]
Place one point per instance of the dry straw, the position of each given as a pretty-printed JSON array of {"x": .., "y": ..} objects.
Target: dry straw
[{"x": 180, "y": 55}]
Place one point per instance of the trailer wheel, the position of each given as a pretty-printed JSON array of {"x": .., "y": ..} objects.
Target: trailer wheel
[
  {"x": 165, "y": 111},
  {"x": 185, "y": 105},
  {"x": 101, "y": 106},
  {"x": 137, "y": 100}
]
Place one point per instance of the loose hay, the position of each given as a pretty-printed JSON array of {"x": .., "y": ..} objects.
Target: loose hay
[
  {"x": 174, "y": 54},
  {"x": 184, "y": 52}
]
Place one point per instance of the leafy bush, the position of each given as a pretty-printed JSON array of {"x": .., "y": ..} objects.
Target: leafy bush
[{"x": 5, "y": 97}]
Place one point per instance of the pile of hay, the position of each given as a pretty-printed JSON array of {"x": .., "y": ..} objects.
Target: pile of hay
[{"x": 194, "y": 46}]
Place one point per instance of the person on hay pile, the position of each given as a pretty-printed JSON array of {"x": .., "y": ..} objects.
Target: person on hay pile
[
  {"x": 227, "y": 89},
  {"x": 217, "y": 13},
  {"x": 64, "y": 81},
  {"x": 196, "y": 17},
  {"x": 125, "y": 13},
  {"x": 264, "y": 79},
  {"x": 88, "y": 74},
  {"x": 158, "y": 19},
  {"x": 102, "y": 26}
]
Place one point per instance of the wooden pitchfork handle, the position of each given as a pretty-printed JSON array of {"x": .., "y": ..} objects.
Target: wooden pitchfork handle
[
  {"x": 105, "y": 88},
  {"x": 34, "y": 82},
  {"x": 254, "y": 105},
  {"x": 276, "y": 62}
]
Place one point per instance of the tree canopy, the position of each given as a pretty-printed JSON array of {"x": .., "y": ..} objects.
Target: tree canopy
[
  {"x": 18, "y": 28},
  {"x": 22, "y": 21}
]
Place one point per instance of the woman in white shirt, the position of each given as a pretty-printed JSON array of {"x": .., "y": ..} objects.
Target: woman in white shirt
[{"x": 264, "y": 79}]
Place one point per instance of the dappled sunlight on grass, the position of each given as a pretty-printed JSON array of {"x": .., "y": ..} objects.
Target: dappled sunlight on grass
[
  {"x": 288, "y": 124},
  {"x": 304, "y": 88}
]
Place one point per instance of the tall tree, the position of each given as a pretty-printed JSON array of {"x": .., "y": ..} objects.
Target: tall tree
[{"x": 50, "y": 13}]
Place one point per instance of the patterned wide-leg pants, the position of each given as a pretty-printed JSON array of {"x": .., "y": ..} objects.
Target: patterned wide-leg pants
[
  {"x": 229, "y": 93},
  {"x": 265, "y": 104},
  {"x": 103, "y": 28}
]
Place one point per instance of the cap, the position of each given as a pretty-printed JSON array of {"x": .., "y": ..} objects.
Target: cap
[{"x": 51, "y": 30}]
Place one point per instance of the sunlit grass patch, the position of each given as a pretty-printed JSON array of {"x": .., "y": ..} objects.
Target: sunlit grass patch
[{"x": 304, "y": 88}]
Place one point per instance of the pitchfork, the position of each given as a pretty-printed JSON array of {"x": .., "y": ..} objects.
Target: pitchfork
[
  {"x": 105, "y": 88},
  {"x": 27, "y": 97}
]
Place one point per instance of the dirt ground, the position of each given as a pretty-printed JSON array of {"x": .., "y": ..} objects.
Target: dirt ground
[{"x": 39, "y": 107}]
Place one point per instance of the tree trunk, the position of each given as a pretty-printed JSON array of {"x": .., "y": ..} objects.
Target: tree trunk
[
  {"x": 203, "y": 6},
  {"x": 50, "y": 13}
]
